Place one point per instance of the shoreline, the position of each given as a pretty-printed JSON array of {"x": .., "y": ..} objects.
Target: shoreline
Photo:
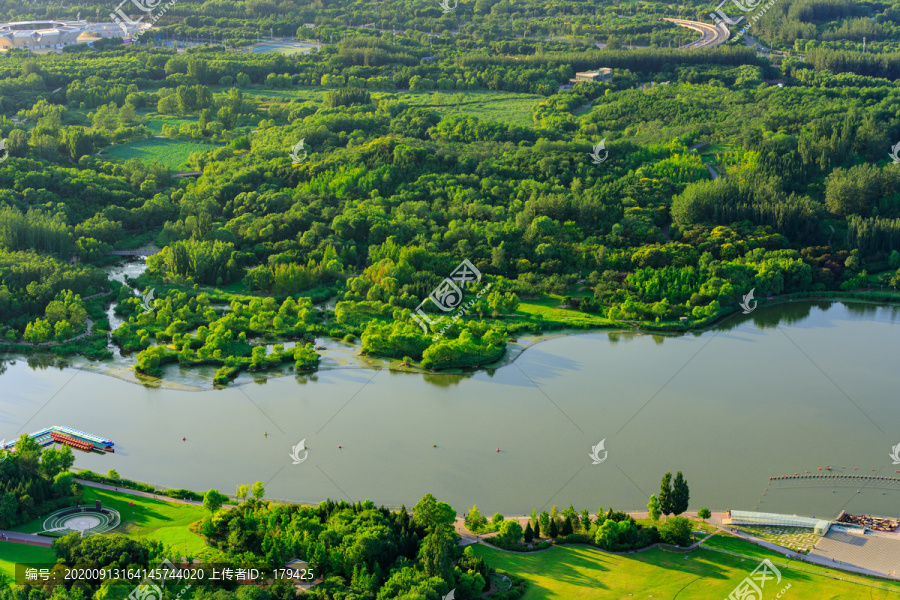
[{"x": 514, "y": 350}]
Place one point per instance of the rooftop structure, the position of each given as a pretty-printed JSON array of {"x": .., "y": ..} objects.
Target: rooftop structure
[
  {"x": 744, "y": 517},
  {"x": 604, "y": 74},
  {"x": 39, "y": 34},
  {"x": 52, "y": 34}
]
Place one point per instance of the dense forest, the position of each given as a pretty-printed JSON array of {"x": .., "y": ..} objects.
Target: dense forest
[
  {"x": 34, "y": 481},
  {"x": 404, "y": 175}
]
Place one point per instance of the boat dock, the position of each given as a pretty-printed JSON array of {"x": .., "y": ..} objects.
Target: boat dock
[{"x": 70, "y": 437}]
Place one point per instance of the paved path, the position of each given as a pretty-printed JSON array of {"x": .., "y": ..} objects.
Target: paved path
[
  {"x": 812, "y": 559},
  {"x": 162, "y": 497},
  {"x": 660, "y": 545},
  {"x": 85, "y": 333},
  {"x": 712, "y": 172},
  {"x": 14, "y": 537},
  {"x": 468, "y": 537}
]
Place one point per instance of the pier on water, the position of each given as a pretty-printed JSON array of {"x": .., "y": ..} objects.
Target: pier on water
[
  {"x": 70, "y": 437},
  {"x": 836, "y": 480}
]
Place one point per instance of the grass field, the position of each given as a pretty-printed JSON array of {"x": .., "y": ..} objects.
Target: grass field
[
  {"x": 11, "y": 553},
  {"x": 154, "y": 519},
  {"x": 589, "y": 574},
  {"x": 551, "y": 309},
  {"x": 506, "y": 107},
  {"x": 173, "y": 153}
]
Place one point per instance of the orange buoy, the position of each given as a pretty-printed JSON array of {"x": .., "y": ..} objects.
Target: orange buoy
[
  {"x": 854, "y": 468},
  {"x": 807, "y": 471},
  {"x": 498, "y": 449},
  {"x": 795, "y": 474},
  {"x": 820, "y": 468}
]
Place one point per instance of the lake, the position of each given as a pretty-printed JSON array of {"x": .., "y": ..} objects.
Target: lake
[{"x": 786, "y": 389}]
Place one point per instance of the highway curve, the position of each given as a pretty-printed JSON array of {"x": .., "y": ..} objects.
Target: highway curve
[{"x": 710, "y": 35}]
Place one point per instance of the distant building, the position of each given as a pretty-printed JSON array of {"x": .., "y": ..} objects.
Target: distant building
[
  {"x": 604, "y": 74},
  {"x": 303, "y": 576},
  {"x": 40, "y": 34}
]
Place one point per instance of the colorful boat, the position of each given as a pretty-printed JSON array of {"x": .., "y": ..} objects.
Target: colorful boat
[{"x": 71, "y": 437}]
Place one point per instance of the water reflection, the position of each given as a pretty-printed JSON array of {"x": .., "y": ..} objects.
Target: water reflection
[
  {"x": 444, "y": 380},
  {"x": 47, "y": 361},
  {"x": 338, "y": 354}
]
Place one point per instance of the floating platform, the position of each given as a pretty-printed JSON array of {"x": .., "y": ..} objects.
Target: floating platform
[
  {"x": 70, "y": 437},
  {"x": 837, "y": 480}
]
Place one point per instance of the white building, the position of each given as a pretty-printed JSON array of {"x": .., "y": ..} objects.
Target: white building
[
  {"x": 39, "y": 34},
  {"x": 57, "y": 34}
]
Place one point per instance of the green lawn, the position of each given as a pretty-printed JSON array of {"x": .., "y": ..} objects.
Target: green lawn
[
  {"x": 11, "y": 553},
  {"x": 589, "y": 574},
  {"x": 154, "y": 519},
  {"x": 512, "y": 108},
  {"x": 551, "y": 309},
  {"x": 173, "y": 153}
]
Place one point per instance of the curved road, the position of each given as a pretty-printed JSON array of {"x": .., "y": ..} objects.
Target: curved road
[{"x": 710, "y": 35}]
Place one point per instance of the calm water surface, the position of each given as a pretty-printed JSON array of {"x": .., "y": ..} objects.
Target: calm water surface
[{"x": 786, "y": 389}]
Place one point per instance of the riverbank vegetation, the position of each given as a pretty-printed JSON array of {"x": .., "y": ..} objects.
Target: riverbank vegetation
[{"x": 396, "y": 184}]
